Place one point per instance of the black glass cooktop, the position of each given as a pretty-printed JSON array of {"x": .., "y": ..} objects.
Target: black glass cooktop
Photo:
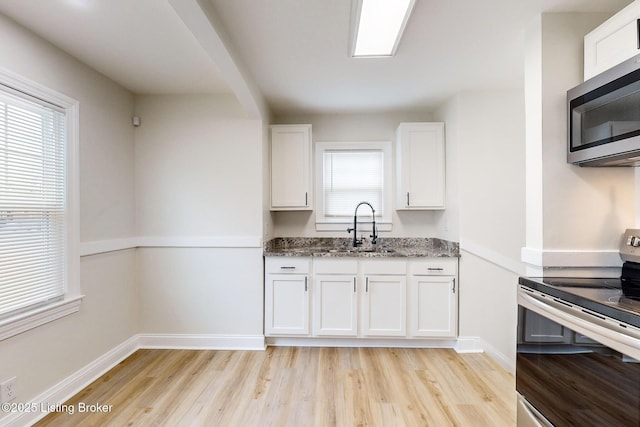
[{"x": 600, "y": 295}]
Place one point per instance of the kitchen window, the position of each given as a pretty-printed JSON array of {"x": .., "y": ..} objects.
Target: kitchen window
[
  {"x": 350, "y": 173},
  {"x": 38, "y": 210}
]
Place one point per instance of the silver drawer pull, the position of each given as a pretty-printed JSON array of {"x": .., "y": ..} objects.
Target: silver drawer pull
[
  {"x": 435, "y": 269},
  {"x": 287, "y": 268}
]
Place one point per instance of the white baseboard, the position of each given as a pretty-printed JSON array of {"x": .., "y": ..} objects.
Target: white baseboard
[
  {"x": 71, "y": 385},
  {"x": 202, "y": 341},
  {"x": 469, "y": 345},
  {"x": 505, "y": 362},
  {"x": 478, "y": 345},
  {"x": 360, "y": 342}
]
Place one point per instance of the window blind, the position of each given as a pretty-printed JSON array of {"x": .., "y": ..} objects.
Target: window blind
[
  {"x": 351, "y": 177},
  {"x": 32, "y": 202}
]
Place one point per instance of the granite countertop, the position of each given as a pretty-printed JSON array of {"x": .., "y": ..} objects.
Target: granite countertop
[{"x": 325, "y": 247}]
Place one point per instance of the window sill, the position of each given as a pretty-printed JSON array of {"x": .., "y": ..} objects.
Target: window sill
[
  {"x": 24, "y": 321},
  {"x": 342, "y": 226}
]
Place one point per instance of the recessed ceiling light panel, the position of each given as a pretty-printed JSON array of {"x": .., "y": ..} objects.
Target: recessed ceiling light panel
[{"x": 378, "y": 26}]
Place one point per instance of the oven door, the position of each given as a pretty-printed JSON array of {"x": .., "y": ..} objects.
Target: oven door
[{"x": 573, "y": 368}]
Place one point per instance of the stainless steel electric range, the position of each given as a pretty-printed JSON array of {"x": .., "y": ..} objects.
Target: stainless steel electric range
[{"x": 578, "y": 347}]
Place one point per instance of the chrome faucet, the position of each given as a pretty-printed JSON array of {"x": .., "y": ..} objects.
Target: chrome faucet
[{"x": 374, "y": 236}]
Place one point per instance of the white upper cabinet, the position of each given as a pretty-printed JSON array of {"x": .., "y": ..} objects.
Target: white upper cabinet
[
  {"x": 291, "y": 167},
  {"x": 420, "y": 166},
  {"x": 616, "y": 40}
]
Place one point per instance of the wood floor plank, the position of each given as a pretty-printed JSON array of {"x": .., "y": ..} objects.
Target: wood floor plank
[{"x": 299, "y": 386}]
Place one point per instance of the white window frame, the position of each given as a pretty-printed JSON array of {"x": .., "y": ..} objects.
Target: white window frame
[
  {"x": 383, "y": 223},
  {"x": 70, "y": 303}
]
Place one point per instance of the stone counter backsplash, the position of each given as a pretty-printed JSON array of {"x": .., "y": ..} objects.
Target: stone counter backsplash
[{"x": 325, "y": 247}]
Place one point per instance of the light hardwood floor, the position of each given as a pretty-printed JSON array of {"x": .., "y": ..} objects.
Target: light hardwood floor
[{"x": 299, "y": 386}]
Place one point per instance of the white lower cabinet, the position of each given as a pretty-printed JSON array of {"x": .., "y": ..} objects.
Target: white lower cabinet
[
  {"x": 433, "y": 296},
  {"x": 335, "y": 297},
  {"x": 361, "y": 298},
  {"x": 286, "y": 310},
  {"x": 384, "y": 310},
  {"x": 335, "y": 305},
  {"x": 433, "y": 306}
]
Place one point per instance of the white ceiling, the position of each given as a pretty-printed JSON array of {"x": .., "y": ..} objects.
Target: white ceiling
[
  {"x": 141, "y": 44},
  {"x": 296, "y": 51}
]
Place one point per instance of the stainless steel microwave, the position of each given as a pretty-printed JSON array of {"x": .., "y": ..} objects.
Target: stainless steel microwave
[{"x": 604, "y": 118}]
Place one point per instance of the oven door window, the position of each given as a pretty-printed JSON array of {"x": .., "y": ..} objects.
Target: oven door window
[{"x": 572, "y": 379}]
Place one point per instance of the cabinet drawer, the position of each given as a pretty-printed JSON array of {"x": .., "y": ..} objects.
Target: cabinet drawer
[
  {"x": 287, "y": 265},
  {"x": 434, "y": 267},
  {"x": 335, "y": 266},
  {"x": 383, "y": 267}
]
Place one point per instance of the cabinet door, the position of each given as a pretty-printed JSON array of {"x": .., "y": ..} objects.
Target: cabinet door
[
  {"x": 613, "y": 42},
  {"x": 433, "y": 306},
  {"x": 384, "y": 306},
  {"x": 420, "y": 166},
  {"x": 335, "y": 305},
  {"x": 539, "y": 329},
  {"x": 286, "y": 304},
  {"x": 291, "y": 167}
]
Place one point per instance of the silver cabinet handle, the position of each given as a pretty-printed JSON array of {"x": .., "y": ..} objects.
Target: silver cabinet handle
[
  {"x": 435, "y": 269},
  {"x": 354, "y": 285},
  {"x": 306, "y": 198},
  {"x": 305, "y": 284},
  {"x": 454, "y": 286},
  {"x": 367, "y": 285},
  {"x": 286, "y": 267},
  {"x": 408, "y": 199}
]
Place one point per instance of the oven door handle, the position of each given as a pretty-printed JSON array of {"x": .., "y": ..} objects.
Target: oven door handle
[{"x": 616, "y": 339}]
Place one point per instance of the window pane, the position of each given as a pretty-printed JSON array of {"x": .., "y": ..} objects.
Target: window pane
[
  {"x": 32, "y": 203},
  {"x": 351, "y": 177}
]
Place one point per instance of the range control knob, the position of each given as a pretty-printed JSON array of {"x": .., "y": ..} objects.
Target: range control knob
[{"x": 635, "y": 241}]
